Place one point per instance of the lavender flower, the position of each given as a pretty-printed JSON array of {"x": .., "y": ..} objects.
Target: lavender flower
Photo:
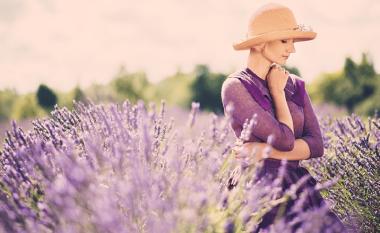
[
  {"x": 111, "y": 169},
  {"x": 194, "y": 108}
]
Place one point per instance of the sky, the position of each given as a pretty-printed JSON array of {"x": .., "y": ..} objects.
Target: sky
[{"x": 80, "y": 42}]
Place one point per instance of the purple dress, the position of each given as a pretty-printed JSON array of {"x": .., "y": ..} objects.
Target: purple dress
[{"x": 249, "y": 95}]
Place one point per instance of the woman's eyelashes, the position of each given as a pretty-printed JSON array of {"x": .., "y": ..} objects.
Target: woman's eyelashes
[{"x": 286, "y": 41}]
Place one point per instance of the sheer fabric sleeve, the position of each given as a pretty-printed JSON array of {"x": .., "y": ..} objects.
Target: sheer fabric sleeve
[
  {"x": 233, "y": 91},
  {"x": 311, "y": 130}
]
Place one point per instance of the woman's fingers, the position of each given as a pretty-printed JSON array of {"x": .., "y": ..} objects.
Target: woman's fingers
[
  {"x": 236, "y": 150},
  {"x": 243, "y": 151},
  {"x": 283, "y": 70},
  {"x": 279, "y": 68},
  {"x": 240, "y": 152},
  {"x": 277, "y": 79}
]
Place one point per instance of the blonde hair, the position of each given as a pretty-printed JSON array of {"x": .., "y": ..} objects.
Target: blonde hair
[{"x": 258, "y": 47}]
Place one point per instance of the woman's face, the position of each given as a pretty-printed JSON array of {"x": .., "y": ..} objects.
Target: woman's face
[{"x": 278, "y": 51}]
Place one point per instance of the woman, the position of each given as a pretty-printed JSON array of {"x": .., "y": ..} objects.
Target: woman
[{"x": 279, "y": 99}]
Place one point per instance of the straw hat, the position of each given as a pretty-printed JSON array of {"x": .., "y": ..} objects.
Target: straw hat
[{"x": 273, "y": 22}]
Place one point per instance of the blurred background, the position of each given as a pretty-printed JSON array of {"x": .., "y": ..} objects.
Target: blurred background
[{"x": 52, "y": 52}]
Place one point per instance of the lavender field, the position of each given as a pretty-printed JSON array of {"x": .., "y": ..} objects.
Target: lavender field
[{"x": 140, "y": 168}]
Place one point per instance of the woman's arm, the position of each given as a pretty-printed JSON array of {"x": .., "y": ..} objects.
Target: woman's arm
[
  {"x": 300, "y": 151},
  {"x": 310, "y": 145},
  {"x": 311, "y": 130},
  {"x": 277, "y": 79},
  {"x": 233, "y": 91}
]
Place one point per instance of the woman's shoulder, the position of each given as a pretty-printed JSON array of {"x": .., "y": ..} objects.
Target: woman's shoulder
[
  {"x": 299, "y": 90},
  {"x": 232, "y": 83},
  {"x": 296, "y": 79},
  {"x": 233, "y": 89},
  {"x": 298, "y": 83}
]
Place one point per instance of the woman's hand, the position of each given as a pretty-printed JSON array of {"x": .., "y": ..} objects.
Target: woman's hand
[
  {"x": 277, "y": 78},
  {"x": 249, "y": 152}
]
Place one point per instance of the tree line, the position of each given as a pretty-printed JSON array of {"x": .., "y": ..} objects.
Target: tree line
[{"x": 355, "y": 87}]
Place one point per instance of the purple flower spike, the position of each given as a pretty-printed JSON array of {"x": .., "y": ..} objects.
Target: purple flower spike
[
  {"x": 133, "y": 171},
  {"x": 195, "y": 106}
]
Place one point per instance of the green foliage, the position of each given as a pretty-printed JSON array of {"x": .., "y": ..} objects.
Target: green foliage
[
  {"x": 174, "y": 89},
  {"x": 292, "y": 70},
  {"x": 325, "y": 87},
  {"x": 79, "y": 95},
  {"x": 180, "y": 89},
  {"x": 206, "y": 88},
  {"x": 102, "y": 94},
  {"x": 27, "y": 107},
  {"x": 349, "y": 87},
  {"x": 46, "y": 97},
  {"x": 7, "y": 100},
  {"x": 372, "y": 103},
  {"x": 66, "y": 99},
  {"x": 132, "y": 86}
]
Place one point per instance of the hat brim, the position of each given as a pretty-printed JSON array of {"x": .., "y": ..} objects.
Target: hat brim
[{"x": 273, "y": 36}]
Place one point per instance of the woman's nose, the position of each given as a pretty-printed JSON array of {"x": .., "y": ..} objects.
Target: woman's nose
[{"x": 292, "y": 49}]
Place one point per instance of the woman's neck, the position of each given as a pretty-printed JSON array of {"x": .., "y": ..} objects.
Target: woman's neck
[{"x": 258, "y": 64}]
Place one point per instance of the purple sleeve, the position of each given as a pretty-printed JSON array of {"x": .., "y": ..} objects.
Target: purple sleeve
[
  {"x": 311, "y": 130},
  {"x": 245, "y": 107}
]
